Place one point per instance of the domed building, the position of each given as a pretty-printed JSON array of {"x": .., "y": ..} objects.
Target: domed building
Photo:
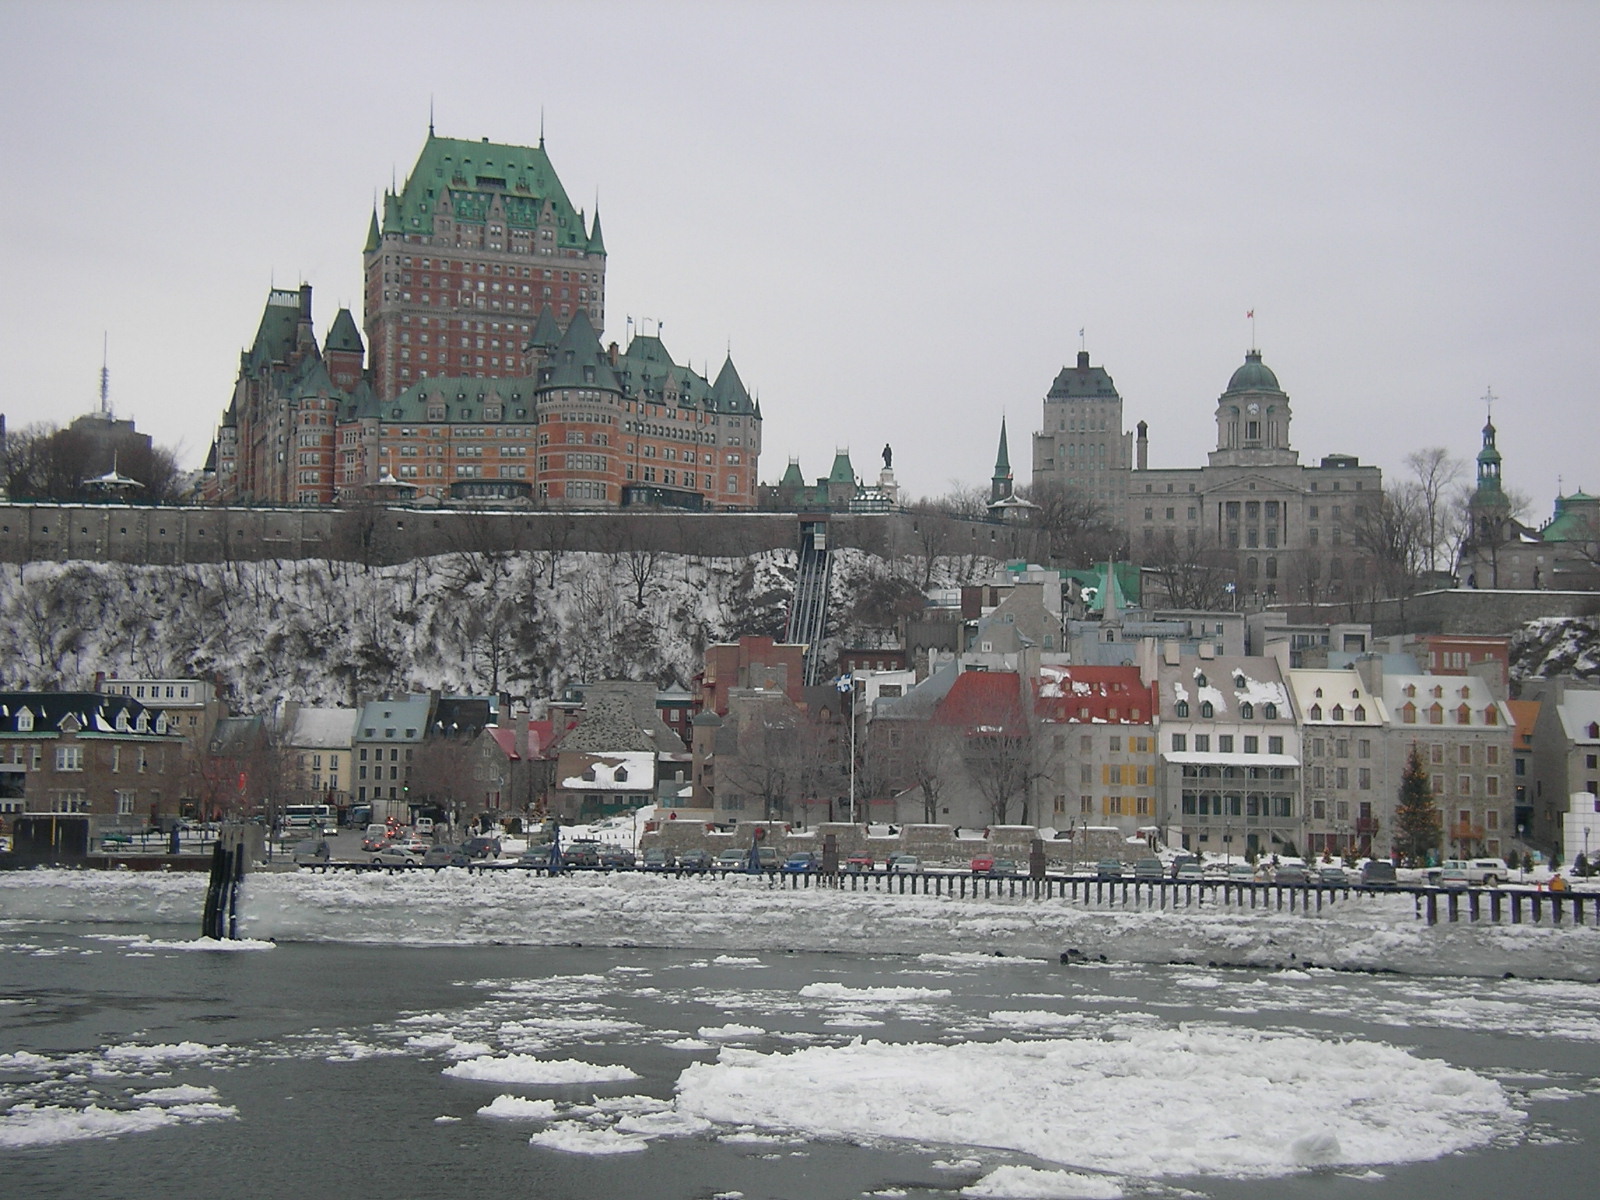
[{"x": 1283, "y": 528}]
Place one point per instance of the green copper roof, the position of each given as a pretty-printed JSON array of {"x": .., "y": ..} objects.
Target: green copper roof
[
  {"x": 275, "y": 336},
  {"x": 791, "y": 476},
  {"x": 579, "y": 362},
  {"x": 1254, "y": 376},
  {"x": 597, "y": 244},
  {"x": 1002, "y": 462},
  {"x": 728, "y": 393},
  {"x": 546, "y": 331},
  {"x": 374, "y": 236},
  {"x": 479, "y": 178},
  {"x": 463, "y": 399},
  {"x": 842, "y": 471},
  {"x": 343, "y": 335},
  {"x": 1083, "y": 382}
]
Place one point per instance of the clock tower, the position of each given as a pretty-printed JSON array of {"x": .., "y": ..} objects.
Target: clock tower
[{"x": 1253, "y": 419}]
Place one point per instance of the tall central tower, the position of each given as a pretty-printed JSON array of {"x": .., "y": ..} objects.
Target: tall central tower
[{"x": 466, "y": 255}]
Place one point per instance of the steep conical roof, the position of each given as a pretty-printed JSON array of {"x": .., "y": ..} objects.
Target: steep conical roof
[
  {"x": 791, "y": 475},
  {"x": 343, "y": 334},
  {"x": 728, "y": 392},
  {"x": 546, "y": 331},
  {"x": 374, "y": 237},
  {"x": 1002, "y": 460},
  {"x": 842, "y": 471},
  {"x": 597, "y": 244},
  {"x": 578, "y": 360}
]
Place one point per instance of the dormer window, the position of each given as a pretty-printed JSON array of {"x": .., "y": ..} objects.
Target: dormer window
[
  {"x": 1316, "y": 712},
  {"x": 1199, "y": 679},
  {"x": 1181, "y": 708},
  {"x": 1338, "y": 712},
  {"x": 1238, "y": 681},
  {"x": 1410, "y": 689},
  {"x": 24, "y": 720},
  {"x": 1247, "y": 711},
  {"x": 1206, "y": 709},
  {"x": 1361, "y": 712},
  {"x": 1270, "y": 712}
]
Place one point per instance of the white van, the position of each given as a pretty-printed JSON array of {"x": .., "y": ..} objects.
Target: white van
[{"x": 424, "y": 826}]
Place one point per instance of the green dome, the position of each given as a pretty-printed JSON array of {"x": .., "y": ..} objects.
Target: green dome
[{"x": 1254, "y": 376}]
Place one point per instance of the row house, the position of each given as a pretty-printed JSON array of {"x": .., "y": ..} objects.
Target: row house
[
  {"x": 1230, "y": 753},
  {"x": 88, "y": 753},
  {"x": 1464, "y": 736},
  {"x": 1349, "y": 794},
  {"x": 321, "y": 742},
  {"x": 1098, "y": 748},
  {"x": 1565, "y": 762}
]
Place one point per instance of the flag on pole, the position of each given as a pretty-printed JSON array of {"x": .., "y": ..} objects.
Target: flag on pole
[{"x": 1251, "y": 315}]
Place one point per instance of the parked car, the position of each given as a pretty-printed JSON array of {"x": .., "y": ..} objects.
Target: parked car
[
  {"x": 311, "y": 850},
  {"x": 1240, "y": 873},
  {"x": 1192, "y": 872},
  {"x": 732, "y": 860},
  {"x": 445, "y": 856},
  {"x": 655, "y": 858},
  {"x": 424, "y": 827},
  {"x": 581, "y": 852},
  {"x": 1003, "y": 868},
  {"x": 982, "y": 864},
  {"x": 615, "y": 858},
  {"x": 768, "y": 857},
  {"x": 1453, "y": 878},
  {"x": 481, "y": 847},
  {"x": 1149, "y": 868},
  {"x": 1108, "y": 868},
  {"x": 535, "y": 857},
  {"x": 904, "y": 864},
  {"x": 1181, "y": 861},
  {"x": 1485, "y": 871},
  {"x": 802, "y": 862},
  {"x": 859, "y": 862},
  {"x": 1333, "y": 877},
  {"x": 1376, "y": 873},
  {"x": 1291, "y": 875},
  {"x": 374, "y": 841},
  {"x": 694, "y": 860},
  {"x": 395, "y": 856}
]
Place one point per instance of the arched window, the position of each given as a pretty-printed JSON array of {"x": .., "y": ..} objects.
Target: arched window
[
  {"x": 1181, "y": 708},
  {"x": 1206, "y": 709},
  {"x": 1247, "y": 711}
]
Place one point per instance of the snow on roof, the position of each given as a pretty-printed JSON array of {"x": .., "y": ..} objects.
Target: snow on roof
[
  {"x": 323, "y": 727},
  {"x": 1578, "y": 710},
  {"x": 625, "y": 771}
]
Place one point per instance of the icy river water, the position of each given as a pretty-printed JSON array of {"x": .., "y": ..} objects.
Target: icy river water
[{"x": 135, "y": 1063}]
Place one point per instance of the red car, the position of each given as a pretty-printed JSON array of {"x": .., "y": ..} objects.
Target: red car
[
  {"x": 859, "y": 862},
  {"x": 983, "y": 864}
]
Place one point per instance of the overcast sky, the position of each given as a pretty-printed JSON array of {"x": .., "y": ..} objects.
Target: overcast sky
[{"x": 899, "y": 215}]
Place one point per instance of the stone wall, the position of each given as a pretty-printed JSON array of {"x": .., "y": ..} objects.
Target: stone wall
[
  {"x": 376, "y": 535},
  {"x": 1475, "y": 612}
]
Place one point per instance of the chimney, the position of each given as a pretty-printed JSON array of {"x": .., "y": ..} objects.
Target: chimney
[
  {"x": 611, "y": 353},
  {"x": 305, "y": 302},
  {"x": 1143, "y": 459}
]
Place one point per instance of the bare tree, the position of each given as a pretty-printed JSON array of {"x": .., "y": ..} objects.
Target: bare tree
[
  {"x": 1192, "y": 577},
  {"x": 1435, "y": 473},
  {"x": 1078, "y": 531},
  {"x": 1391, "y": 533}
]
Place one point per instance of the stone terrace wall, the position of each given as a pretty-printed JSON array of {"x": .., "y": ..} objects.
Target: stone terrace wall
[{"x": 376, "y": 535}]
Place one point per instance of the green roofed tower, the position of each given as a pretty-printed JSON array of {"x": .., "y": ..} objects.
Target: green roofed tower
[{"x": 462, "y": 259}]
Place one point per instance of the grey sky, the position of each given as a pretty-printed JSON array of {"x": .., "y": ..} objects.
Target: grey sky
[{"x": 899, "y": 215}]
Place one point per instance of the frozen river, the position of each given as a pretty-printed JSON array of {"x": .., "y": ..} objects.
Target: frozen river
[{"x": 443, "y": 1037}]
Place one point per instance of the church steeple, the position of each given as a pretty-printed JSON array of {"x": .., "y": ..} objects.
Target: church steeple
[{"x": 1000, "y": 486}]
